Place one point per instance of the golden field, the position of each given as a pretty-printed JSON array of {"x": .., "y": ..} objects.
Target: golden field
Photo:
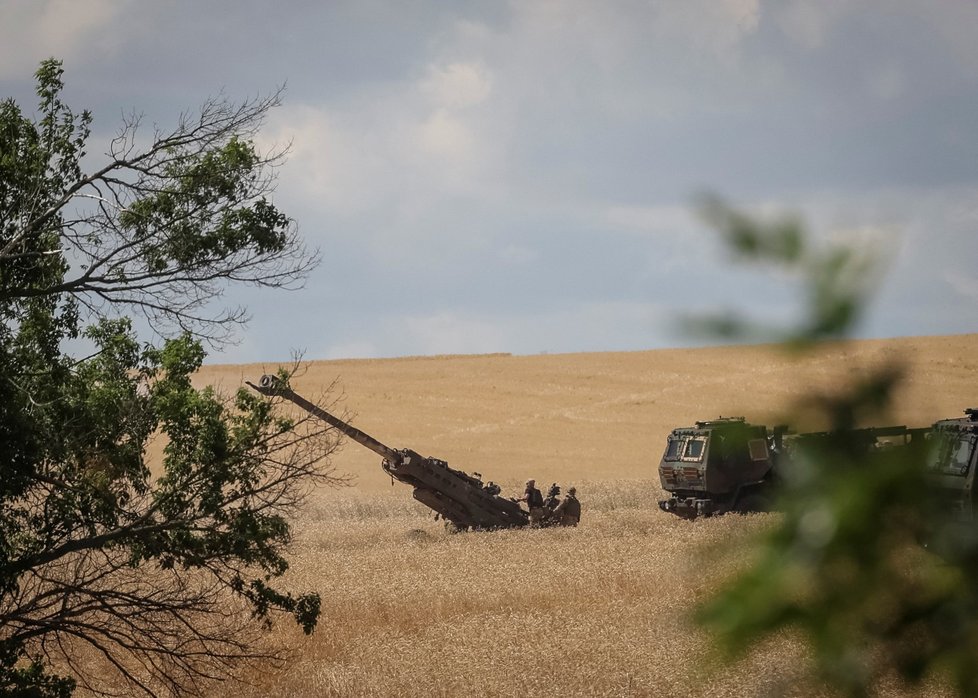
[{"x": 409, "y": 609}]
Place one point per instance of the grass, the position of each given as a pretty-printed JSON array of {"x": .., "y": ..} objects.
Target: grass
[{"x": 410, "y": 609}]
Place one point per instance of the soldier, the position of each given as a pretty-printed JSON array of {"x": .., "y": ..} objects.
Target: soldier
[
  {"x": 534, "y": 501},
  {"x": 550, "y": 503},
  {"x": 568, "y": 512}
]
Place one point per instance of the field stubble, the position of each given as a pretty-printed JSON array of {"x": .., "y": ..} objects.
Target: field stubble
[{"x": 409, "y": 609}]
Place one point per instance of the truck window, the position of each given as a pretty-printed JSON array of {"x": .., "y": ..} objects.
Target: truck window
[
  {"x": 954, "y": 454},
  {"x": 694, "y": 449},
  {"x": 758, "y": 449},
  {"x": 673, "y": 449},
  {"x": 961, "y": 456}
]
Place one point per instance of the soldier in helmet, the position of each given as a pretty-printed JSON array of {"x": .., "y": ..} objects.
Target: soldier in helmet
[
  {"x": 568, "y": 512},
  {"x": 534, "y": 501},
  {"x": 550, "y": 503}
]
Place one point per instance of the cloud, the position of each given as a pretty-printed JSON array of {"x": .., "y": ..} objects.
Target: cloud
[
  {"x": 356, "y": 349},
  {"x": 589, "y": 326},
  {"x": 519, "y": 177},
  {"x": 965, "y": 286},
  {"x": 456, "y": 85},
  {"x": 518, "y": 255},
  {"x": 716, "y": 27},
  {"x": 448, "y": 138},
  {"x": 399, "y": 147},
  {"x": 32, "y": 30},
  {"x": 331, "y": 163},
  {"x": 806, "y": 22},
  {"x": 657, "y": 221},
  {"x": 454, "y": 333}
]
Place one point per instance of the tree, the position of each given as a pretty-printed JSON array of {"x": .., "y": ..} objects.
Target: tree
[
  {"x": 867, "y": 561},
  {"x": 160, "y": 575}
]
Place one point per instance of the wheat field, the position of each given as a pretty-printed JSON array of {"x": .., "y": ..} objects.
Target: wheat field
[{"x": 602, "y": 610}]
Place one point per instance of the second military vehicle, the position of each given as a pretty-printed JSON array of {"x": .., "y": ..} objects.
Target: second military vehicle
[
  {"x": 729, "y": 465},
  {"x": 953, "y": 460}
]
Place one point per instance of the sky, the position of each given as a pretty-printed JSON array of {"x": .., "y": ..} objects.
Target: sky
[{"x": 522, "y": 176}]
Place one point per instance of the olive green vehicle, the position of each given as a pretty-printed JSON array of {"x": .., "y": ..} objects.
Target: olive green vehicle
[
  {"x": 729, "y": 465},
  {"x": 952, "y": 462},
  {"x": 720, "y": 465}
]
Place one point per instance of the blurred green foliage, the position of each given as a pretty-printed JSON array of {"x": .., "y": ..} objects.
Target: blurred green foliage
[
  {"x": 836, "y": 281},
  {"x": 867, "y": 562}
]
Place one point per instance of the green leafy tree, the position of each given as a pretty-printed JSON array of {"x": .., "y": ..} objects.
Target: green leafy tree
[
  {"x": 161, "y": 576},
  {"x": 867, "y": 561}
]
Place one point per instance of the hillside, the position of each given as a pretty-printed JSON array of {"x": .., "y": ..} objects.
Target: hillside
[{"x": 569, "y": 417}]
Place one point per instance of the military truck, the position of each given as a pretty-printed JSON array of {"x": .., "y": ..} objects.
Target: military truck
[
  {"x": 716, "y": 466},
  {"x": 729, "y": 465},
  {"x": 462, "y": 500},
  {"x": 952, "y": 462}
]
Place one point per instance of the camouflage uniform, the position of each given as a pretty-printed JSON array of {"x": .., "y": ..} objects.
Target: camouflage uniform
[
  {"x": 534, "y": 501},
  {"x": 568, "y": 512}
]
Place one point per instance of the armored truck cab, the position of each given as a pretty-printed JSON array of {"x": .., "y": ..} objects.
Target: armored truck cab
[
  {"x": 716, "y": 466},
  {"x": 952, "y": 461},
  {"x": 726, "y": 465}
]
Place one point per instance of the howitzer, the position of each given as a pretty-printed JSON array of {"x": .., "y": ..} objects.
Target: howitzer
[{"x": 456, "y": 496}]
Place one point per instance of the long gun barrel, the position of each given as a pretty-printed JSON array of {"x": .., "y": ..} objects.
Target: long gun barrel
[
  {"x": 270, "y": 386},
  {"x": 455, "y": 495}
]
